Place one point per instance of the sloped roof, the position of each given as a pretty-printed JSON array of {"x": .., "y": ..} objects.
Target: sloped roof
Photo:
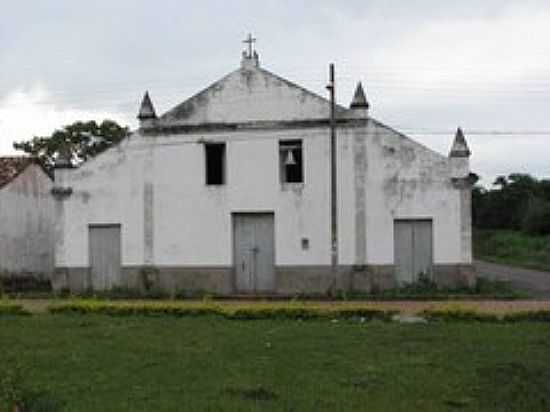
[
  {"x": 250, "y": 94},
  {"x": 13, "y": 166}
]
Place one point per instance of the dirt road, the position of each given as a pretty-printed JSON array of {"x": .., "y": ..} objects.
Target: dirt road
[{"x": 536, "y": 282}]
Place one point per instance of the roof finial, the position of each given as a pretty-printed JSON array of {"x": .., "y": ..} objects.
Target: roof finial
[
  {"x": 460, "y": 147},
  {"x": 250, "y": 56},
  {"x": 146, "y": 110},
  {"x": 250, "y": 41},
  {"x": 359, "y": 99}
]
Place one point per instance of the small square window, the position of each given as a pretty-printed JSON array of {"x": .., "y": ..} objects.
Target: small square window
[
  {"x": 215, "y": 163},
  {"x": 291, "y": 161}
]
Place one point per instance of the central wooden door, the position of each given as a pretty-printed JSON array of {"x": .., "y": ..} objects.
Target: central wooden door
[
  {"x": 254, "y": 252},
  {"x": 105, "y": 259}
]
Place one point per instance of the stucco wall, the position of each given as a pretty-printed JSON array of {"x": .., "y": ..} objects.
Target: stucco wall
[
  {"x": 192, "y": 221},
  {"x": 27, "y": 224},
  {"x": 382, "y": 176}
]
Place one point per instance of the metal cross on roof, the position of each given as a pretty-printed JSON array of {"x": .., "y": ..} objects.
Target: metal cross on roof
[{"x": 250, "y": 41}]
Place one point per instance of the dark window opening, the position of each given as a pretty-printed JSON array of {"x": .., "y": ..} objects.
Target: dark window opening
[
  {"x": 215, "y": 163},
  {"x": 291, "y": 161}
]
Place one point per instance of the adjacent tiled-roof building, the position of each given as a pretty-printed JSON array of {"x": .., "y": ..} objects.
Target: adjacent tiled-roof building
[
  {"x": 11, "y": 166},
  {"x": 26, "y": 218}
]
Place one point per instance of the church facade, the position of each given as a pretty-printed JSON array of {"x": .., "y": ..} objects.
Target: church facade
[{"x": 230, "y": 193}]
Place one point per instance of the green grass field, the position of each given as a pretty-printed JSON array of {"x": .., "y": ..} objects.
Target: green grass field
[
  {"x": 148, "y": 363},
  {"x": 513, "y": 248}
]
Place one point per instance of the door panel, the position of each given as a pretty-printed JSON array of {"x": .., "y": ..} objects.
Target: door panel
[
  {"x": 422, "y": 246},
  {"x": 105, "y": 259},
  {"x": 403, "y": 241},
  {"x": 243, "y": 253},
  {"x": 254, "y": 252},
  {"x": 264, "y": 253}
]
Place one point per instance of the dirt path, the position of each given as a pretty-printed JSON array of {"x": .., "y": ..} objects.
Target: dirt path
[{"x": 536, "y": 282}]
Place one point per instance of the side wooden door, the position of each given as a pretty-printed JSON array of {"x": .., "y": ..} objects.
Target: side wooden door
[{"x": 413, "y": 249}]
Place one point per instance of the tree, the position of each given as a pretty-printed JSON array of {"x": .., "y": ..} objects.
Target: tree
[
  {"x": 500, "y": 181},
  {"x": 516, "y": 202},
  {"x": 537, "y": 218},
  {"x": 82, "y": 140}
]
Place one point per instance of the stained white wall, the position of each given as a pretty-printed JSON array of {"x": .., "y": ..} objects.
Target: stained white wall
[
  {"x": 106, "y": 190},
  {"x": 248, "y": 95},
  {"x": 192, "y": 221},
  {"x": 405, "y": 180},
  {"x": 27, "y": 224}
]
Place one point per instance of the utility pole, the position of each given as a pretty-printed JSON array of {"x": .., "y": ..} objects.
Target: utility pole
[{"x": 333, "y": 173}]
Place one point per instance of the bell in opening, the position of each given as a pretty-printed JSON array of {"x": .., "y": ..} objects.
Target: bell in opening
[{"x": 290, "y": 161}]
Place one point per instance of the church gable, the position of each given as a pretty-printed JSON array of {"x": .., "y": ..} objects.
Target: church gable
[{"x": 250, "y": 94}]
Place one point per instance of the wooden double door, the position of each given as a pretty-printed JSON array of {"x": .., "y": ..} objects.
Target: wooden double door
[{"x": 413, "y": 251}]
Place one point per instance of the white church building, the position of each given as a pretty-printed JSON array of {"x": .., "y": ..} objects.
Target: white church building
[{"x": 230, "y": 193}]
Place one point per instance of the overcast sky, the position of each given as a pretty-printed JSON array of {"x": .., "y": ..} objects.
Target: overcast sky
[{"x": 428, "y": 66}]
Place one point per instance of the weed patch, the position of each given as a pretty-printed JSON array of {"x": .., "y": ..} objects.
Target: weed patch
[
  {"x": 457, "y": 313},
  {"x": 513, "y": 248},
  {"x": 425, "y": 289},
  {"x": 258, "y": 393},
  {"x": 514, "y": 383},
  {"x": 533, "y": 316},
  {"x": 16, "y": 395}
]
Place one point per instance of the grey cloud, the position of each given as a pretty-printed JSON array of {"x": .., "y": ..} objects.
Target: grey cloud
[{"x": 101, "y": 55}]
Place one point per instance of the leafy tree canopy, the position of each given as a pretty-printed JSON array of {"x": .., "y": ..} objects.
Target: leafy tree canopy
[
  {"x": 81, "y": 140},
  {"x": 518, "y": 202}
]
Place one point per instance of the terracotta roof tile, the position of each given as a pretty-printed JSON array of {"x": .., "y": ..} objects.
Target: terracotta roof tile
[{"x": 11, "y": 166}]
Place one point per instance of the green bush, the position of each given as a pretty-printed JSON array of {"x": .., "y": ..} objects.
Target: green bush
[
  {"x": 229, "y": 311},
  {"x": 542, "y": 315},
  {"x": 11, "y": 309},
  {"x": 271, "y": 312},
  {"x": 537, "y": 218},
  {"x": 513, "y": 248},
  {"x": 363, "y": 312},
  {"x": 131, "y": 308},
  {"x": 456, "y": 313}
]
